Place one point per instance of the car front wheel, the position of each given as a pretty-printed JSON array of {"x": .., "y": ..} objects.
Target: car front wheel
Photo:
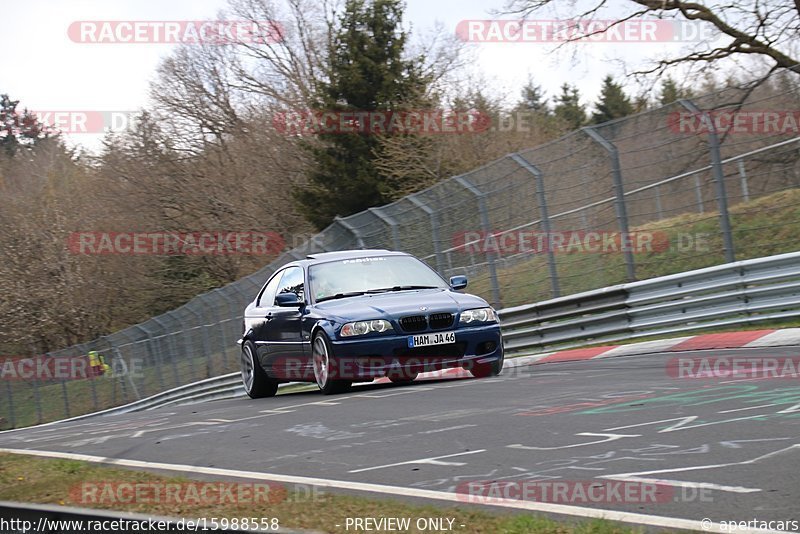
[
  {"x": 257, "y": 384},
  {"x": 402, "y": 376},
  {"x": 484, "y": 370},
  {"x": 325, "y": 368}
]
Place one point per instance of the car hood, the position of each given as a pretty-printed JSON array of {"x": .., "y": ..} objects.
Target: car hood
[{"x": 398, "y": 304}]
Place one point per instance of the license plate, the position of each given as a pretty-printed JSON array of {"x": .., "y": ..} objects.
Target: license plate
[{"x": 425, "y": 340}]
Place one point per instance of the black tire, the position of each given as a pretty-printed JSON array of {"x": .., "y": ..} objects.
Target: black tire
[
  {"x": 402, "y": 377},
  {"x": 322, "y": 359},
  {"x": 485, "y": 370},
  {"x": 256, "y": 382}
]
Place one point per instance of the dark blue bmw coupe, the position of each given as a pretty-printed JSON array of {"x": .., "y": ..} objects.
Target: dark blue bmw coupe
[{"x": 341, "y": 317}]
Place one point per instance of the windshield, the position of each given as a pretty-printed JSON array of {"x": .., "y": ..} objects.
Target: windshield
[{"x": 357, "y": 276}]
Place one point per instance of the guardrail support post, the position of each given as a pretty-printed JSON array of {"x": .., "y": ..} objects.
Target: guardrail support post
[
  {"x": 377, "y": 212},
  {"x": 619, "y": 195},
  {"x": 719, "y": 178},
  {"x": 543, "y": 215},
  {"x": 490, "y": 259},
  {"x": 437, "y": 246},
  {"x": 349, "y": 227}
]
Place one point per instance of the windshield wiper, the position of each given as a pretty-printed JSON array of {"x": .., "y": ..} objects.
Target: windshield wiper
[
  {"x": 342, "y": 295},
  {"x": 399, "y": 288}
]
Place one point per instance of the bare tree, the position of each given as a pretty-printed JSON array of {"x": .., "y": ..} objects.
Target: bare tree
[{"x": 768, "y": 29}]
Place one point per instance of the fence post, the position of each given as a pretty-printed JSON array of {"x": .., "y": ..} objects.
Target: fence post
[
  {"x": 719, "y": 178},
  {"x": 698, "y": 194},
  {"x": 126, "y": 371},
  {"x": 437, "y": 246},
  {"x": 349, "y": 227},
  {"x": 377, "y": 212},
  {"x": 745, "y": 188},
  {"x": 231, "y": 316},
  {"x": 91, "y": 377},
  {"x": 11, "y": 418},
  {"x": 490, "y": 259},
  {"x": 545, "y": 218},
  {"x": 659, "y": 209},
  {"x": 37, "y": 397},
  {"x": 163, "y": 340},
  {"x": 153, "y": 353},
  {"x": 619, "y": 195},
  {"x": 200, "y": 320}
]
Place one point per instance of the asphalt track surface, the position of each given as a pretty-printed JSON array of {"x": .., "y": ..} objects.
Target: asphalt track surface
[{"x": 722, "y": 449}]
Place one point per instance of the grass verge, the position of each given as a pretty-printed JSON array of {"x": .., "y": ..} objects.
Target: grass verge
[{"x": 54, "y": 481}]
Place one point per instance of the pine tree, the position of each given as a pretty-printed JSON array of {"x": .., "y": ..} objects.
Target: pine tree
[
  {"x": 613, "y": 104},
  {"x": 670, "y": 92},
  {"x": 367, "y": 73},
  {"x": 18, "y": 129},
  {"x": 568, "y": 108},
  {"x": 533, "y": 98}
]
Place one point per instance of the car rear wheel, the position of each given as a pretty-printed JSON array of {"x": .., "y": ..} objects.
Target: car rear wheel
[
  {"x": 324, "y": 366},
  {"x": 485, "y": 370},
  {"x": 256, "y": 382}
]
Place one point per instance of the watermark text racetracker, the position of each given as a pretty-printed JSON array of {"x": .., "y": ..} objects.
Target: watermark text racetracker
[
  {"x": 215, "y": 32},
  {"x": 734, "y": 367},
  {"x": 170, "y": 243},
  {"x": 758, "y": 122},
  {"x": 559, "y": 491},
  {"x": 194, "y": 493},
  {"x": 584, "y": 31},
  {"x": 526, "y": 241},
  {"x": 381, "y": 122},
  {"x": 44, "y": 368},
  {"x": 77, "y": 121}
]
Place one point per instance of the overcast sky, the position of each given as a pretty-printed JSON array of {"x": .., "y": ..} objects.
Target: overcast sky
[{"x": 44, "y": 69}]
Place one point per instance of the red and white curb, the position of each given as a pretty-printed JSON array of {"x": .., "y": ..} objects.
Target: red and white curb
[{"x": 723, "y": 340}]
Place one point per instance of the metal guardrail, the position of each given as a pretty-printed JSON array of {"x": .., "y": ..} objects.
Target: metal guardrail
[{"x": 739, "y": 293}]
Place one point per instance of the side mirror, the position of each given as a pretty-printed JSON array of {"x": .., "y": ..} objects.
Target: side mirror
[
  {"x": 458, "y": 282},
  {"x": 288, "y": 299}
]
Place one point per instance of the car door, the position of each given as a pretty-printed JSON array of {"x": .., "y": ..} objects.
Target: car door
[
  {"x": 259, "y": 316},
  {"x": 284, "y": 347}
]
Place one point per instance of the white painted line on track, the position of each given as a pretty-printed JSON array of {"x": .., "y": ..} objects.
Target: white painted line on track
[
  {"x": 434, "y": 461},
  {"x": 638, "y": 475},
  {"x": 684, "y": 484},
  {"x": 531, "y": 506},
  {"x": 459, "y": 427},
  {"x": 748, "y": 408}
]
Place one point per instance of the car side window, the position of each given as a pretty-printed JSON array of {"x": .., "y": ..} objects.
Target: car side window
[
  {"x": 292, "y": 281},
  {"x": 267, "y": 296}
]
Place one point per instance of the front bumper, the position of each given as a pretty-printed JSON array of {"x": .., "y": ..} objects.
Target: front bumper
[{"x": 377, "y": 356}]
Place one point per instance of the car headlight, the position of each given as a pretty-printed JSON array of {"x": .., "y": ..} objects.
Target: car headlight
[
  {"x": 359, "y": 328},
  {"x": 479, "y": 315}
]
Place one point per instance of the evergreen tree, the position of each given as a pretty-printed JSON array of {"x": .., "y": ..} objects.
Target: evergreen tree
[
  {"x": 18, "y": 129},
  {"x": 670, "y": 92},
  {"x": 367, "y": 73},
  {"x": 613, "y": 104},
  {"x": 568, "y": 108},
  {"x": 533, "y": 98}
]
